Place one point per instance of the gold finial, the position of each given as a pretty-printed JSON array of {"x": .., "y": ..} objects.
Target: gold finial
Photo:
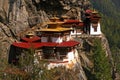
[
  {"x": 94, "y": 11},
  {"x": 54, "y": 19}
]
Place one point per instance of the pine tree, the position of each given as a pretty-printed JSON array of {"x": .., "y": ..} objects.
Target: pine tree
[{"x": 101, "y": 63}]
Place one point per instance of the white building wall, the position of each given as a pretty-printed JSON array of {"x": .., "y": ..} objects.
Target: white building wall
[
  {"x": 70, "y": 56},
  {"x": 75, "y": 32},
  {"x": 44, "y": 39},
  {"x": 57, "y": 39},
  {"x": 54, "y": 39},
  {"x": 72, "y": 59},
  {"x": 68, "y": 37},
  {"x": 92, "y": 32}
]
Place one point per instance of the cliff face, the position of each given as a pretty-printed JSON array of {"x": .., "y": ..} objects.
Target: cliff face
[
  {"x": 117, "y": 3},
  {"x": 110, "y": 13},
  {"x": 18, "y": 15},
  {"x": 31, "y": 12}
]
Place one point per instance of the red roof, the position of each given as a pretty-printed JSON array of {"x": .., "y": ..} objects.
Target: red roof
[
  {"x": 95, "y": 16},
  {"x": 81, "y": 24},
  {"x": 94, "y": 19},
  {"x": 68, "y": 44},
  {"x": 71, "y": 21},
  {"x": 49, "y": 44},
  {"x": 27, "y": 45},
  {"x": 34, "y": 45},
  {"x": 44, "y": 44},
  {"x": 33, "y": 39},
  {"x": 88, "y": 11}
]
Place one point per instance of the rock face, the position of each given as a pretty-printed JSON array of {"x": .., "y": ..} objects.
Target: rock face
[
  {"x": 31, "y": 12},
  {"x": 18, "y": 15}
]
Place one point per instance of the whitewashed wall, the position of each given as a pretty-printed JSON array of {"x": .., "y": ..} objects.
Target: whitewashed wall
[
  {"x": 57, "y": 39},
  {"x": 75, "y": 32},
  {"x": 44, "y": 39},
  {"x": 98, "y": 32}
]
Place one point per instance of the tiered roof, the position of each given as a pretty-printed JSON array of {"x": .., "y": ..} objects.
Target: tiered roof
[
  {"x": 68, "y": 44},
  {"x": 53, "y": 26},
  {"x": 93, "y": 15},
  {"x": 81, "y": 24},
  {"x": 44, "y": 44},
  {"x": 72, "y": 21},
  {"x": 77, "y": 23},
  {"x": 56, "y": 30},
  {"x": 33, "y": 39},
  {"x": 27, "y": 45}
]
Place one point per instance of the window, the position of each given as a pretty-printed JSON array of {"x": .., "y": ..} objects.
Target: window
[
  {"x": 61, "y": 53},
  {"x": 94, "y": 25},
  {"x": 48, "y": 53}
]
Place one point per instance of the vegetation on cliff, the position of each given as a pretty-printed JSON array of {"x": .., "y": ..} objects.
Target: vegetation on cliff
[
  {"x": 102, "y": 66},
  {"x": 110, "y": 13},
  {"x": 30, "y": 13},
  {"x": 101, "y": 69}
]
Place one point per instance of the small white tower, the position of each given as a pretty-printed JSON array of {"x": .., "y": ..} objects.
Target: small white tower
[{"x": 95, "y": 28}]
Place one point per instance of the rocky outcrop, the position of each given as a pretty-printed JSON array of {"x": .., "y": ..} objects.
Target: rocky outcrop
[
  {"x": 36, "y": 11},
  {"x": 18, "y": 15}
]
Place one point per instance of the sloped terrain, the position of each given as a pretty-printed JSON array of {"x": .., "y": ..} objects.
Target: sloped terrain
[
  {"x": 17, "y": 16},
  {"x": 110, "y": 11}
]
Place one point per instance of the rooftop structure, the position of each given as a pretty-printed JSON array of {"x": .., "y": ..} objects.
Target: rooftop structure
[
  {"x": 53, "y": 44},
  {"x": 92, "y": 22},
  {"x": 54, "y": 32},
  {"x": 32, "y": 39},
  {"x": 76, "y": 25}
]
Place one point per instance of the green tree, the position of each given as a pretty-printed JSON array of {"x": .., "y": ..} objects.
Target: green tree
[
  {"x": 110, "y": 24},
  {"x": 101, "y": 63}
]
